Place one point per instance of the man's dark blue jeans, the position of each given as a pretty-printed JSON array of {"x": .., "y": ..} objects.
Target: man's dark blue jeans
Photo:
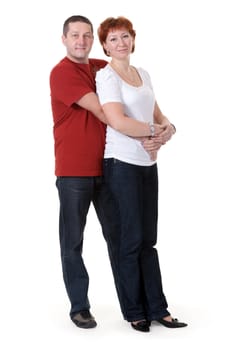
[
  {"x": 135, "y": 189},
  {"x": 76, "y": 194}
]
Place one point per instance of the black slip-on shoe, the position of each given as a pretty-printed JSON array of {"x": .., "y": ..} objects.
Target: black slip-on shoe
[
  {"x": 174, "y": 323},
  {"x": 84, "y": 319}
]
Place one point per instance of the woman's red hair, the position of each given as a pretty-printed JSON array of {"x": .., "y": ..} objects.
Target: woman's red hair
[{"x": 112, "y": 23}]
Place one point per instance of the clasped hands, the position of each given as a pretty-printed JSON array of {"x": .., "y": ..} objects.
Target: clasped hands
[{"x": 163, "y": 134}]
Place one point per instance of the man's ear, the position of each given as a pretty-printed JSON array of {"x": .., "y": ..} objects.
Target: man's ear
[{"x": 63, "y": 38}]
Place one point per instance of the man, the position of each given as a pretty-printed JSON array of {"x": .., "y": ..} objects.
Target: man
[
  {"x": 79, "y": 144},
  {"x": 79, "y": 136}
]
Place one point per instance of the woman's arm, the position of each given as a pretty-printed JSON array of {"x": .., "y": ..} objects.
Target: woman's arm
[
  {"x": 168, "y": 128},
  {"x": 120, "y": 122},
  {"x": 164, "y": 129},
  {"x": 113, "y": 115}
]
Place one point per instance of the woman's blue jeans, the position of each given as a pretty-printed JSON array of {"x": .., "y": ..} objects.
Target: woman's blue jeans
[
  {"x": 76, "y": 195},
  {"x": 135, "y": 189}
]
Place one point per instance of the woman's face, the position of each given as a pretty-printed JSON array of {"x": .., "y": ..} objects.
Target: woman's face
[{"x": 119, "y": 43}]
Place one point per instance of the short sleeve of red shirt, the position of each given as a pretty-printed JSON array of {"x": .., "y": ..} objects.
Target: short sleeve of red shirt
[
  {"x": 78, "y": 135},
  {"x": 65, "y": 78}
]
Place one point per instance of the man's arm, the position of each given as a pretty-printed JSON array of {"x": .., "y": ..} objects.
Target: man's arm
[{"x": 91, "y": 103}]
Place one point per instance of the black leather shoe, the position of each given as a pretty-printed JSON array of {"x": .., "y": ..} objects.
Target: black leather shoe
[
  {"x": 84, "y": 319},
  {"x": 141, "y": 326},
  {"x": 174, "y": 323}
]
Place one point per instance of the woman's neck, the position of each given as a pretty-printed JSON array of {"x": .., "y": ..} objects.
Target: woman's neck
[
  {"x": 126, "y": 72},
  {"x": 121, "y": 66}
]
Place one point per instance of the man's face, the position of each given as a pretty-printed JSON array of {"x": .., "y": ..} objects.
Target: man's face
[{"x": 78, "y": 41}]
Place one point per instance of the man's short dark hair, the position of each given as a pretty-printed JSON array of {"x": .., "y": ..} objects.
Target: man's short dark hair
[{"x": 76, "y": 18}]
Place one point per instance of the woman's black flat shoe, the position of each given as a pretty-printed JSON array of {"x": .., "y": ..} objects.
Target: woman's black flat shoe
[
  {"x": 141, "y": 326},
  {"x": 174, "y": 323}
]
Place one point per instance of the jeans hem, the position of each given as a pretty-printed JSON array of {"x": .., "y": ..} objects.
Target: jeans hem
[{"x": 157, "y": 316}]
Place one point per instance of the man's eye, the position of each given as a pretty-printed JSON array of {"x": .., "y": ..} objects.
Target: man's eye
[{"x": 87, "y": 36}]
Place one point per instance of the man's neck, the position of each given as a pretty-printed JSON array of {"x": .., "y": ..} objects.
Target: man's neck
[{"x": 81, "y": 60}]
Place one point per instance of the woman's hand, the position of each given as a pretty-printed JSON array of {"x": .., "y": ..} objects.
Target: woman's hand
[{"x": 168, "y": 131}]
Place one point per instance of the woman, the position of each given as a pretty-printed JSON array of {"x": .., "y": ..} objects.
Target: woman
[{"x": 131, "y": 174}]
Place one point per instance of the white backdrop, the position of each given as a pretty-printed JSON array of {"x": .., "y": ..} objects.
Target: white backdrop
[{"x": 186, "y": 45}]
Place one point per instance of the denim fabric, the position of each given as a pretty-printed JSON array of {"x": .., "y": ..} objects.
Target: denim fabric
[
  {"x": 139, "y": 278},
  {"x": 76, "y": 195}
]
